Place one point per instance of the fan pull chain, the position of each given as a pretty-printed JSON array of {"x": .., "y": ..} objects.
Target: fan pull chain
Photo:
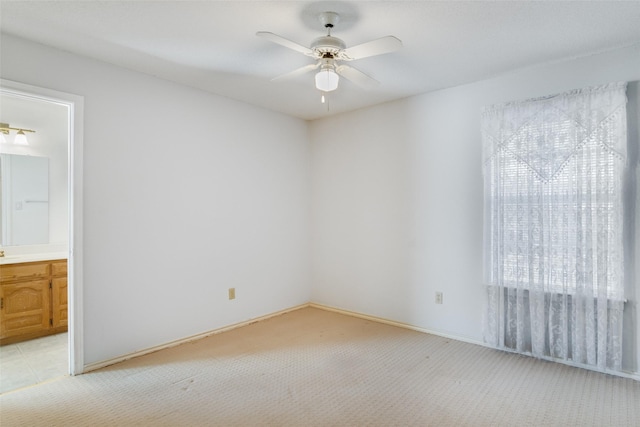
[{"x": 325, "y": 100}]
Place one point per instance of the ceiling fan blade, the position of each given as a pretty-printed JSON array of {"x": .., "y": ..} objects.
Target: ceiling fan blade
[
  {"x": 297, "y": 72},
  {"x": 357, "y": 77},
  {"x": 284, "y": 42},
  {"x": 375, "y": 47}
]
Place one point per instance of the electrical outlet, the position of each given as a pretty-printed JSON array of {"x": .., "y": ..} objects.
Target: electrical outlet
[
  {"x": 232, "y": 293},
  {"x": 438, "y": 297}
]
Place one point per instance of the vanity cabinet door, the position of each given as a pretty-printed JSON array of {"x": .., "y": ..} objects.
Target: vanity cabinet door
[
  {"x": 25, "y": 307},
  {"x": 59, "y": 301}
]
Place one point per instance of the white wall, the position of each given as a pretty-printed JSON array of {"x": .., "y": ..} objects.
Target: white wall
[
  {"x": 185, "y": 195},
  {"x": 397, "y": 198}
]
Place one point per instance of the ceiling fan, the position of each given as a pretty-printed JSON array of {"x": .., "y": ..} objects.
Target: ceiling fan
[{"x": 329, "y": 51}]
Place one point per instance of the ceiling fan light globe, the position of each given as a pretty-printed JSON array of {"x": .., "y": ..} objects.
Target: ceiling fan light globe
[{"x": 327, "y": 80}]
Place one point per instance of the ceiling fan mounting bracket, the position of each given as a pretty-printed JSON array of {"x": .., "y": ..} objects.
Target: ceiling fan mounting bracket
[{"x": 329, "y": 19}]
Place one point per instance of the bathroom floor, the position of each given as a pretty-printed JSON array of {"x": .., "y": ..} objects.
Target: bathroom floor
[{"x": 31, "y": 362}]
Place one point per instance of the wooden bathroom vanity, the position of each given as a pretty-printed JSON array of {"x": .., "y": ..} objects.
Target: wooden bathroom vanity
[{"x": 33, "y": 299}]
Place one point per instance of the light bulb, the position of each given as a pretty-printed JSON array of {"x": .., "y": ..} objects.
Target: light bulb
[
  {"x": 21, "y": 139},
  {"x": 327, "y": 80}
]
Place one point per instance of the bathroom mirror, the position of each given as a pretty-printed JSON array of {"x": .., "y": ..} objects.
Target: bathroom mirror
[{"x": 24, "y": 198}]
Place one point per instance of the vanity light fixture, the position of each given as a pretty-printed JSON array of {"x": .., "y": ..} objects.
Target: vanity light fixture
[{"x": 21, "y": 137}]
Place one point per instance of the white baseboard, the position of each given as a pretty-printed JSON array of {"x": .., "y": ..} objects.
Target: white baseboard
[
  {"x": 396, "y": 323},
  {"x": 97, "y": 365}
]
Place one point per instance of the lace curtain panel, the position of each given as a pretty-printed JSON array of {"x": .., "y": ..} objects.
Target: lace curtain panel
[{"x": 553, "y": 186}]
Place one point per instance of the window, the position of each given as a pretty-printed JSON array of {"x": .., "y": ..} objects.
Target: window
[{"x": 554, "y": 170}]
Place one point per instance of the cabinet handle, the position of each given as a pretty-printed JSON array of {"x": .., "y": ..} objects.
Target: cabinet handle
[{"x": 1, "y": 303}]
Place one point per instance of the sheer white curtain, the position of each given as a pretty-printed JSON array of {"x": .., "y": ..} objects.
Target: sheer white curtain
[{"x": 553, "y": 176}]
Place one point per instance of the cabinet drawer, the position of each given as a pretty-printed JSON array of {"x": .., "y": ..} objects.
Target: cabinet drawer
[
  {"x": 59, "y": 268},
  {"x": 23, "y": 271}
]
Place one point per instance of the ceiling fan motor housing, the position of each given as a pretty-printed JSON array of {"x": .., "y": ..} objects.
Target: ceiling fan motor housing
[{"x": 327, "y": 44}]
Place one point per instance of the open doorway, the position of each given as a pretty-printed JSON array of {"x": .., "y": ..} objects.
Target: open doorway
[{"x": 64, "y": 207}]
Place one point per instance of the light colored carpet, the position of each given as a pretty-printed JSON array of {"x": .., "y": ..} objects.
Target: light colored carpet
[{"x": 311, "y": 367}]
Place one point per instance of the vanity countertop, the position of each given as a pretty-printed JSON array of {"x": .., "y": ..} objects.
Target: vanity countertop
[{"x": 45, "y": 256}]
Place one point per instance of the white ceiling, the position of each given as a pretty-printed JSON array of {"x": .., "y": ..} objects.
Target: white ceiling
[{"x": 212, "y": 45}]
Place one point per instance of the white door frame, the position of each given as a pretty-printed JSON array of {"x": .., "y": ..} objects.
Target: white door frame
[{"x": 75, "y": 104}]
